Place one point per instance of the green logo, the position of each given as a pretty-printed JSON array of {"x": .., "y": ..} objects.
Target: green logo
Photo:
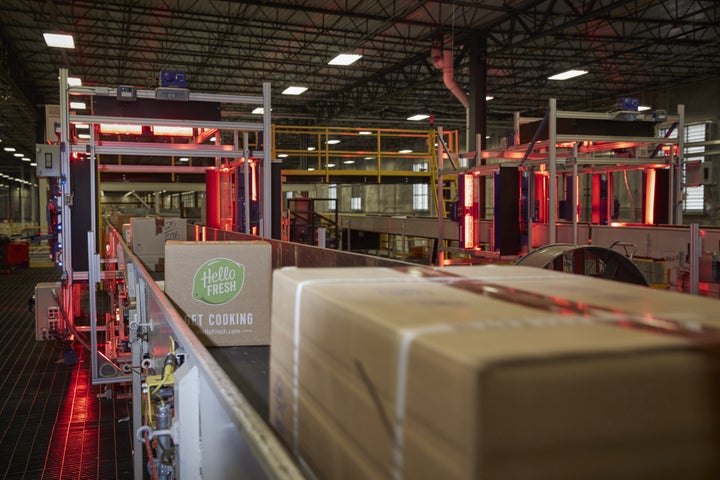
[{"x": 218, "y": 281}]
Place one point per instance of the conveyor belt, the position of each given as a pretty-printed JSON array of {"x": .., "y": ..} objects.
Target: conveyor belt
[{"x": 249, "y": 369}]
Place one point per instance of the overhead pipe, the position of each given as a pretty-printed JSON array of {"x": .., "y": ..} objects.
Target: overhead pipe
[{"x": 445, "y": 61}]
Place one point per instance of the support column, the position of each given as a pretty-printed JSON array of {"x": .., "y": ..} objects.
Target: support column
[{"x": 477, "y": 116}]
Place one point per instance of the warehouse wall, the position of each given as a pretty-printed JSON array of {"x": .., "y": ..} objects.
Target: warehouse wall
[
  {"x": 702, "y": 104},
  {"x": 384, "y": 199}
]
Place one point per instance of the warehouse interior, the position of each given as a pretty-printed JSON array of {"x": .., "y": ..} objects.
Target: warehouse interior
[{"x": 370, "y": 239}]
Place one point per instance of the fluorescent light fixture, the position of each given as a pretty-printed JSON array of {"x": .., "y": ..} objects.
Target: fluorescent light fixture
[
  {"x": 294, "y": 90},
  {"x": 364, "y": 132},
  {"x": 258, "y": 111},
  {"x": 331, "y": 165},
  {"x": 345, "y": 59},
  {"x": 74, "y": 81},
  {"x": 19, "y": 155},
  {"x": 213, "y": 139},
  {"x": 568, "y": 75},
  {"x": 81, "y": 126},
  {"x": 333, "y": 141},
  {"x": 418, "y": 117},
  {"x": 369, "y": 158},
  {"x": 78, "y": 105},
  {"x": 643, "y": 108},
  {"x": 489, "y": 97},
  {"x": 25, "y": 159},
  {"x": 84, "y": 136},
  {"x": 183, "y": 159},
  {"x": 33, "y": 164},
  {"x": 59, "y": 40},
  {"x": 310, "y": 169},
  {"x": 282, "y": 155},
  {"x": 349, "y": 162},
  {"x": 9, "y": 149},
  {"x": 310, "y": 149},
  {"x": 405, "y": 151}
]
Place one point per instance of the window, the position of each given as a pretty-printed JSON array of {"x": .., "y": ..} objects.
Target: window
[
  {"x": 356, "y": 198},
  {"x": 421, "y": 191},
  {"x": 694, "y": 198},
  {"x": 332, "y": 193}
]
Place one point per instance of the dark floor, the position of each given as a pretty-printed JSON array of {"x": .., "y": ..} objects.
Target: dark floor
[{"x": 53, "y": 423}]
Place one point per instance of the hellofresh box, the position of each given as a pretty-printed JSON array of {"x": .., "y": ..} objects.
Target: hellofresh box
[{"x": 222, "y": 289}]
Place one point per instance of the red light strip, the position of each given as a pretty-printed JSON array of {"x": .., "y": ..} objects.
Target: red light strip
[{"x": 650, "y": 197}]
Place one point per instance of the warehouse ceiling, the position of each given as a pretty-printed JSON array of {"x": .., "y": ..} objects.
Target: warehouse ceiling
[{"x": 629, "y": 47}]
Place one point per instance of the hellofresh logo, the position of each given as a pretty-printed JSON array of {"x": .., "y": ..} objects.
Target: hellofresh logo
[{"x": 218, "y": 281}]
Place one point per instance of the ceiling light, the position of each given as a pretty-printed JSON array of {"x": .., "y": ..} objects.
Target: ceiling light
[
  {"x": 369, "y": 158},
  {"x": 258, "y": 111},
  {"x": 331, "y": 165},
  {"x": 310, "y": 149},
  {"x": 489, "y": 97},
  {"x": 282, "y": 155},
  {"x": 364, "y": 132},
  {"x": 643, "y": 108},
  {"x": 9, "y": 149},
  {"x": 78, "y": 105},
  {"x": 349, "y": 162},
  {"x": 418, "y": 117},
  {"x": 19, "y": 155},
  {"x": 183, "y": 159},
  {"x": 333, "y": 142},
  {"x": 345, "y": 59},
  {"x": 310, "y": 169},
  {"x": 213, "y": 139},
  {"x": 294, "y": 90},
  {"x": 81, "y": 126},
  {"x": 74, "y": 81},
  {"x": 59, "y": 40},
  {"x": 33, "y": 164},
  {"x": 405, "y": 151},
  {"x": 84, "y": 136},
  {"x": 567, "y": 75}
]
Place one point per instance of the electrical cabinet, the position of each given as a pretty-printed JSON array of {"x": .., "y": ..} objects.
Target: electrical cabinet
[{"x": 48, "y": 318}]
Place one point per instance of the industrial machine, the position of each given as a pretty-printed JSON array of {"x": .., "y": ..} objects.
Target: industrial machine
[
  {"x": 49, "y": 323},
  {"x": 200, "y": 412}
]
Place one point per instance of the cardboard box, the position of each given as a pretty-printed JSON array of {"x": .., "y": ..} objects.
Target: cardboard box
[
  {"x": 149, "y": 235},
  {"x": 223, "y": 289},
  {"x": 404, "y": 365}
]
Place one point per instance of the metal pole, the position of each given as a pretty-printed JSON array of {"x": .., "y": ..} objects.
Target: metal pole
[
  {"x": 65, "y": 191},
  {"x": 680, "y": 163},
  {"x": 440, "y": 203},
  {"x": 552, "y": 209},
  {"x": 574, "y": 193},
  {"x": 246, "y": 179},
  {"x": 694, "y": 258},
  {"x": 266, "y": 224}
]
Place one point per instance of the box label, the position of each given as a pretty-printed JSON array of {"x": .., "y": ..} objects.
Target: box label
[{"x": 218, "y": 281}]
